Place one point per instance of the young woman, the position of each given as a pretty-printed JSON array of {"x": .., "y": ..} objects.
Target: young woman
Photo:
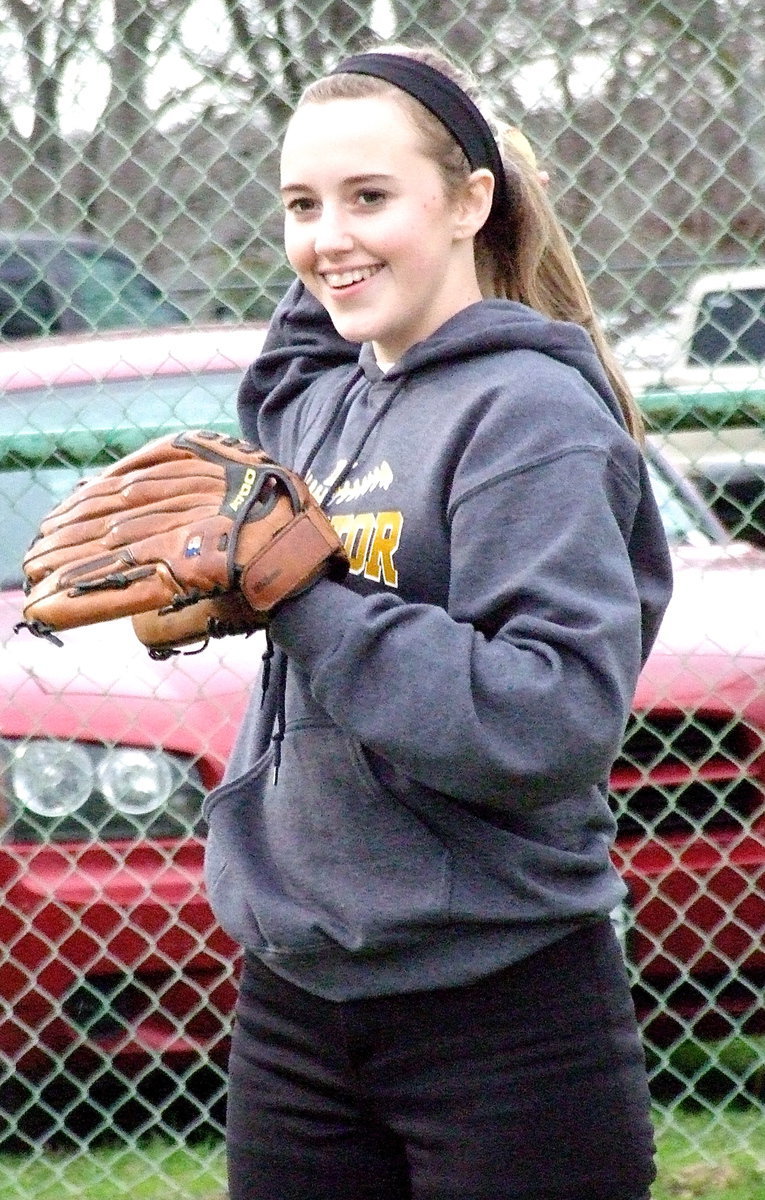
[{"x": 412, "y": 840}]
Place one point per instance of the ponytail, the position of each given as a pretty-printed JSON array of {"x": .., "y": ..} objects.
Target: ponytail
[{"x": 531, "y": 260}]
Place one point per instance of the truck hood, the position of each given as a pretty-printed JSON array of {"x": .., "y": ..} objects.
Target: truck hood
[
  {"x": 702, "y": 379},
  {"x": 711, "y": 646},
  {"x": 108, "y": 659}
]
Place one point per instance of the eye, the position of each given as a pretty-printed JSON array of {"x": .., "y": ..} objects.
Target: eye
[
  {"x": 300, "y": 205},
  {"x": 371, "y": 197}
]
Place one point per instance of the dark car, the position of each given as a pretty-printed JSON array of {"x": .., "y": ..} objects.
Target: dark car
[{"x": 64, "y": 285}]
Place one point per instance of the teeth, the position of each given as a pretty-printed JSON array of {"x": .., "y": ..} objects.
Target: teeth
[{"x": 339, "y": 279}]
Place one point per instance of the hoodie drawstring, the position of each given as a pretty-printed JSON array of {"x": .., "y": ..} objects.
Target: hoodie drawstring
[
  {"x": 281, "y": 717},
  {"x": 277, "y": 736},
  {"x": 268, "y": 655}
]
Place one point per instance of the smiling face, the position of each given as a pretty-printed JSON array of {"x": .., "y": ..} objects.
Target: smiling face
[{"x": 369, "y": 227}]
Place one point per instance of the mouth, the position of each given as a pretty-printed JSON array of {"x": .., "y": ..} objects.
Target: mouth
[{"x": 339, "y": 280}]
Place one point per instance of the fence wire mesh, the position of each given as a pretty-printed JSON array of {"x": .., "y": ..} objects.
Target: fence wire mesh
[{"x": 139, "y": 150}]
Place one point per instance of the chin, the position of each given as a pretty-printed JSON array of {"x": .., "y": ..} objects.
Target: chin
[{"x": 349, "y": 330}]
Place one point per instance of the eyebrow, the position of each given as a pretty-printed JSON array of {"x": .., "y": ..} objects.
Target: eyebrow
[{"x": 351, "y": 181}]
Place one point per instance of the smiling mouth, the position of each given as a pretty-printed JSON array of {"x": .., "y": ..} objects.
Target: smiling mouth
[{"x": 343, "y": 279}]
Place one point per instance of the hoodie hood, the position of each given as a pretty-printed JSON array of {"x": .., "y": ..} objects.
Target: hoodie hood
[
  {"x": 496, "y": 326},
  {"x": 303, "y": 346}
]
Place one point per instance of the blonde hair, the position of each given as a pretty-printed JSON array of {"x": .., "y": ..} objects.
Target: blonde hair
[
  {"x": 526, "y": 256},
  {"x": 516, "y": 139}
]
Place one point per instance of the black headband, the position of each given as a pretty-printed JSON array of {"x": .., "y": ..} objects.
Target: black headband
[{"x": 447, "y": 101}]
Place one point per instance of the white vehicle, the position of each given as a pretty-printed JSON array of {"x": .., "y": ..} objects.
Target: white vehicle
[
  {"x": 716, "y": 339},
  {"x": 704, "y": 393}
]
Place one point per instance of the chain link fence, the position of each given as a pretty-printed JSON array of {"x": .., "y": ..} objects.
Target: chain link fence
[{"x": 139, "y": 149}]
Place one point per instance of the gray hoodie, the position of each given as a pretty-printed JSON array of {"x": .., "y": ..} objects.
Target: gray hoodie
[{"x": 447, "y": 718}]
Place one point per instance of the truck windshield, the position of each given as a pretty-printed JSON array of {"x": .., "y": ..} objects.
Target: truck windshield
[{"x": 730, "y": 329}]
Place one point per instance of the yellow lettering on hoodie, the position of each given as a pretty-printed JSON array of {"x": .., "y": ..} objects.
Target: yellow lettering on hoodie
[
  {"x": 371, "y": 541},
  {"x": 355, "y": 530},
  {"x": 384, "y": 545}
]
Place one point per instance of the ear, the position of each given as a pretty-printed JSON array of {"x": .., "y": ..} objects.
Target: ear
[{"x": 474, "y": 204}]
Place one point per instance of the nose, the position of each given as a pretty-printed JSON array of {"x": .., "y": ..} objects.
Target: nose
[{"x": 332, "y": 233}]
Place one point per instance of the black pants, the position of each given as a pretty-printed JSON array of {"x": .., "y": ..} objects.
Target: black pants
[{"x": 529, "y": 1085}]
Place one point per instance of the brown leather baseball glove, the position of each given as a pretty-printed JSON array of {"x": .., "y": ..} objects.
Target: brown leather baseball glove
[
  {"x": 195, "y": 521},
  {"x": 168, "y": 631}
]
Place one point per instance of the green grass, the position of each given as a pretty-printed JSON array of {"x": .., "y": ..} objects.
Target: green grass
[
  {"x": 155, "y": 1170},
  {"x": 711, "y": 1156},
  {"x": 702, "y": 1156}
]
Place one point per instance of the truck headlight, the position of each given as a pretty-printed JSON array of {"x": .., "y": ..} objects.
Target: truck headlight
[
  {"x": 51, "y": 778},
  {"x": 134, "y": 780},
  {"x": 53, "y": 789}
]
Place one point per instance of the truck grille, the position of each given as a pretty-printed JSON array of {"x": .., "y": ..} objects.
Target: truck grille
[{"x": 678, "y": 773}]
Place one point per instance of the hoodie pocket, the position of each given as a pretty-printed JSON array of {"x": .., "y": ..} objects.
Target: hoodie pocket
[
  {"x": 231, "y": 868},
  {"x": 328, "y": 854}
]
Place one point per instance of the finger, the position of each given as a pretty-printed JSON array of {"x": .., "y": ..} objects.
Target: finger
[{"x": 103, "y": 495}]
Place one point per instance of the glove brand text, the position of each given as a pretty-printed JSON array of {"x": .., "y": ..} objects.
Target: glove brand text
[{"x": 245, "y": 489}]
